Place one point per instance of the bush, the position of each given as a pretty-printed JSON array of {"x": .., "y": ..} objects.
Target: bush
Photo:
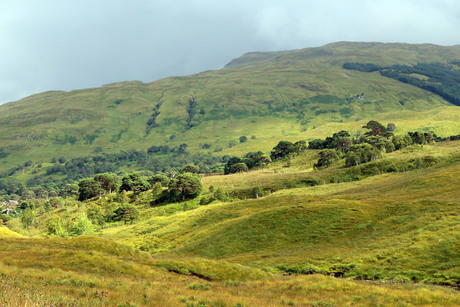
[
  {"x": 4, "y": 218},
  {"x": 256, "y": 192},
  {"x": 312, "y": 181}
]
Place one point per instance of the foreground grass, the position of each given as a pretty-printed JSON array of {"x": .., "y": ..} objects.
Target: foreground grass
[{"x": 42, "y": 287}]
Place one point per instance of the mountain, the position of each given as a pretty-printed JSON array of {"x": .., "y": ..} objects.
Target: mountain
[{"x": 265, "y": 96}]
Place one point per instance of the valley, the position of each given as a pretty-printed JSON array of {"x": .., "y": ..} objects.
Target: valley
[{"x": 282, "y": 179}]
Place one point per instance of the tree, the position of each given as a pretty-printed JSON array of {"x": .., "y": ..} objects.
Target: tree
[
  {"x": 161, "y": 178},
  {"x": 391, "y": 127},
  {"x": 401, "y": 141},
  {"x": 62, "y": 159},
  {"x": 300, "y": 146},
  {"x": 4, "y": 218},
  {"x": 27, "y": 217},
  {"x": 157, "y": 189},
  {"x": 82, "y": 226},
  {"x": 126, "y": 213},
  {"x": 343, "y": 144},
  {"x": 317, "y": 144},
  {"x": 376, "y": 128},
  {"x": 191, "y": 168},
  {"x": 230, "y": 163},
  {"x": 361, "y": 153},
  {"x": 134, "y": 182},
  {"x": 107, "y": 183},
  {"x": 71, "y": 190},
  {"x": 243, "y": 139},
  {"x": 185, "y": 186},
  {"x": 256, "y": 192},
  {"x": 239, "y": 168},
  {"x": 327, "y": 157},
  {"x": 264, "y": 160},
  {"x": 281, "y": 150},
  {"x": 88, "y": 188},
  {"x": 54, "y": 227},
  {"x": 95, "y": 214}
]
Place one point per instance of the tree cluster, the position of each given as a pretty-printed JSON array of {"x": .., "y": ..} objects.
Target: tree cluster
[{"x": 366, "y": 148}]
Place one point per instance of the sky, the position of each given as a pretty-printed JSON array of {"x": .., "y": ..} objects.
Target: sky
[{"x": 71, "y": 44}]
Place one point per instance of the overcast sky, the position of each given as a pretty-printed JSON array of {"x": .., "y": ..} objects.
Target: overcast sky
[{"x": 71, "y": 44}]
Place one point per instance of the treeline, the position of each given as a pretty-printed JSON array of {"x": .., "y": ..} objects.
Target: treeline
[
  {"x": 157, "y": 159},
  {"x": 442, "y": 80},
  {"x": 366, "y": 148},
  {"x": 260, "y": 159}
]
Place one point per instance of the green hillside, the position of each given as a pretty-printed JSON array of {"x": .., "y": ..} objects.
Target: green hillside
[
  {"x": 387, "y": 239},
  {"x": 290, "y": 95},
  {"x": 357, "y": 204}
]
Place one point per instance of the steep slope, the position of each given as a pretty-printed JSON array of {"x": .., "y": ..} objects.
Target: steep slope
[{"x": 298, "y": 94}]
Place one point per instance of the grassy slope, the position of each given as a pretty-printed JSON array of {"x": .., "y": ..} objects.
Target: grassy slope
[
  {"x": 397, "y": 225},
  {"x": 236, "y": 102},
  {"x": 402, "y": 226}
]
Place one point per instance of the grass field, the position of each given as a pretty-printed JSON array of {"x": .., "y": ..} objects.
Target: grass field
[{"x": 384, "y": 240}]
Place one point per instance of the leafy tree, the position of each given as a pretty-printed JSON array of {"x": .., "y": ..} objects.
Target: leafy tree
[
  {"x": 95, "y": 214},
  {"x": 300, "y": 146},
  {"x": 401, "y": 141},
  {"x": 391, "y": 127},
  {"x": 126, "y": 213},
  {"x": 218, "y": 194},
  {"x": 27, "y": 217},
  {"x": 421, "y": 137},
  {"x": 376, "y": 128},
  {"x": 253, "y": 159},
  {"x": 327, "y": 157},
  {"x": 107, "y": 182},
  {"x": 281, "y": 150},
  {"x": 4, "y": 218},
  {"x": 54, "y": 227},
  {"x": 239, "y": 168},
  {"x": 134, "y": 182},
  {"x": 185, "y": 186},
  {"x": 221, "y": 195},
  {"x": 88, "y": 188},
  {"x": 317, "y": 144},
  {"x": 157, "y": 189},
  {"x": 71, "y": 190},
  {"x": 191, "y": 168},
  {"x": 256, "y": 192},
  {"x": 161, "y": 178},
  {"x": 343, "y": 144},
  {"x": 264, "y": 160},
  {"x": 82, "y": 226},
  {"x": 230, "y": 163},
  {"x": 243, "y": 139},
  {"x": 361, "y": 153}
]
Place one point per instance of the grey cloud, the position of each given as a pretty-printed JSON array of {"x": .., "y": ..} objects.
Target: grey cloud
[{"x": 63, "y": 45}]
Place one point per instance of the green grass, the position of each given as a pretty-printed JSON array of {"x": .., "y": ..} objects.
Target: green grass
[
  {"x": 262, "y": 96},
  {"x": 389, "y": 237}
]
